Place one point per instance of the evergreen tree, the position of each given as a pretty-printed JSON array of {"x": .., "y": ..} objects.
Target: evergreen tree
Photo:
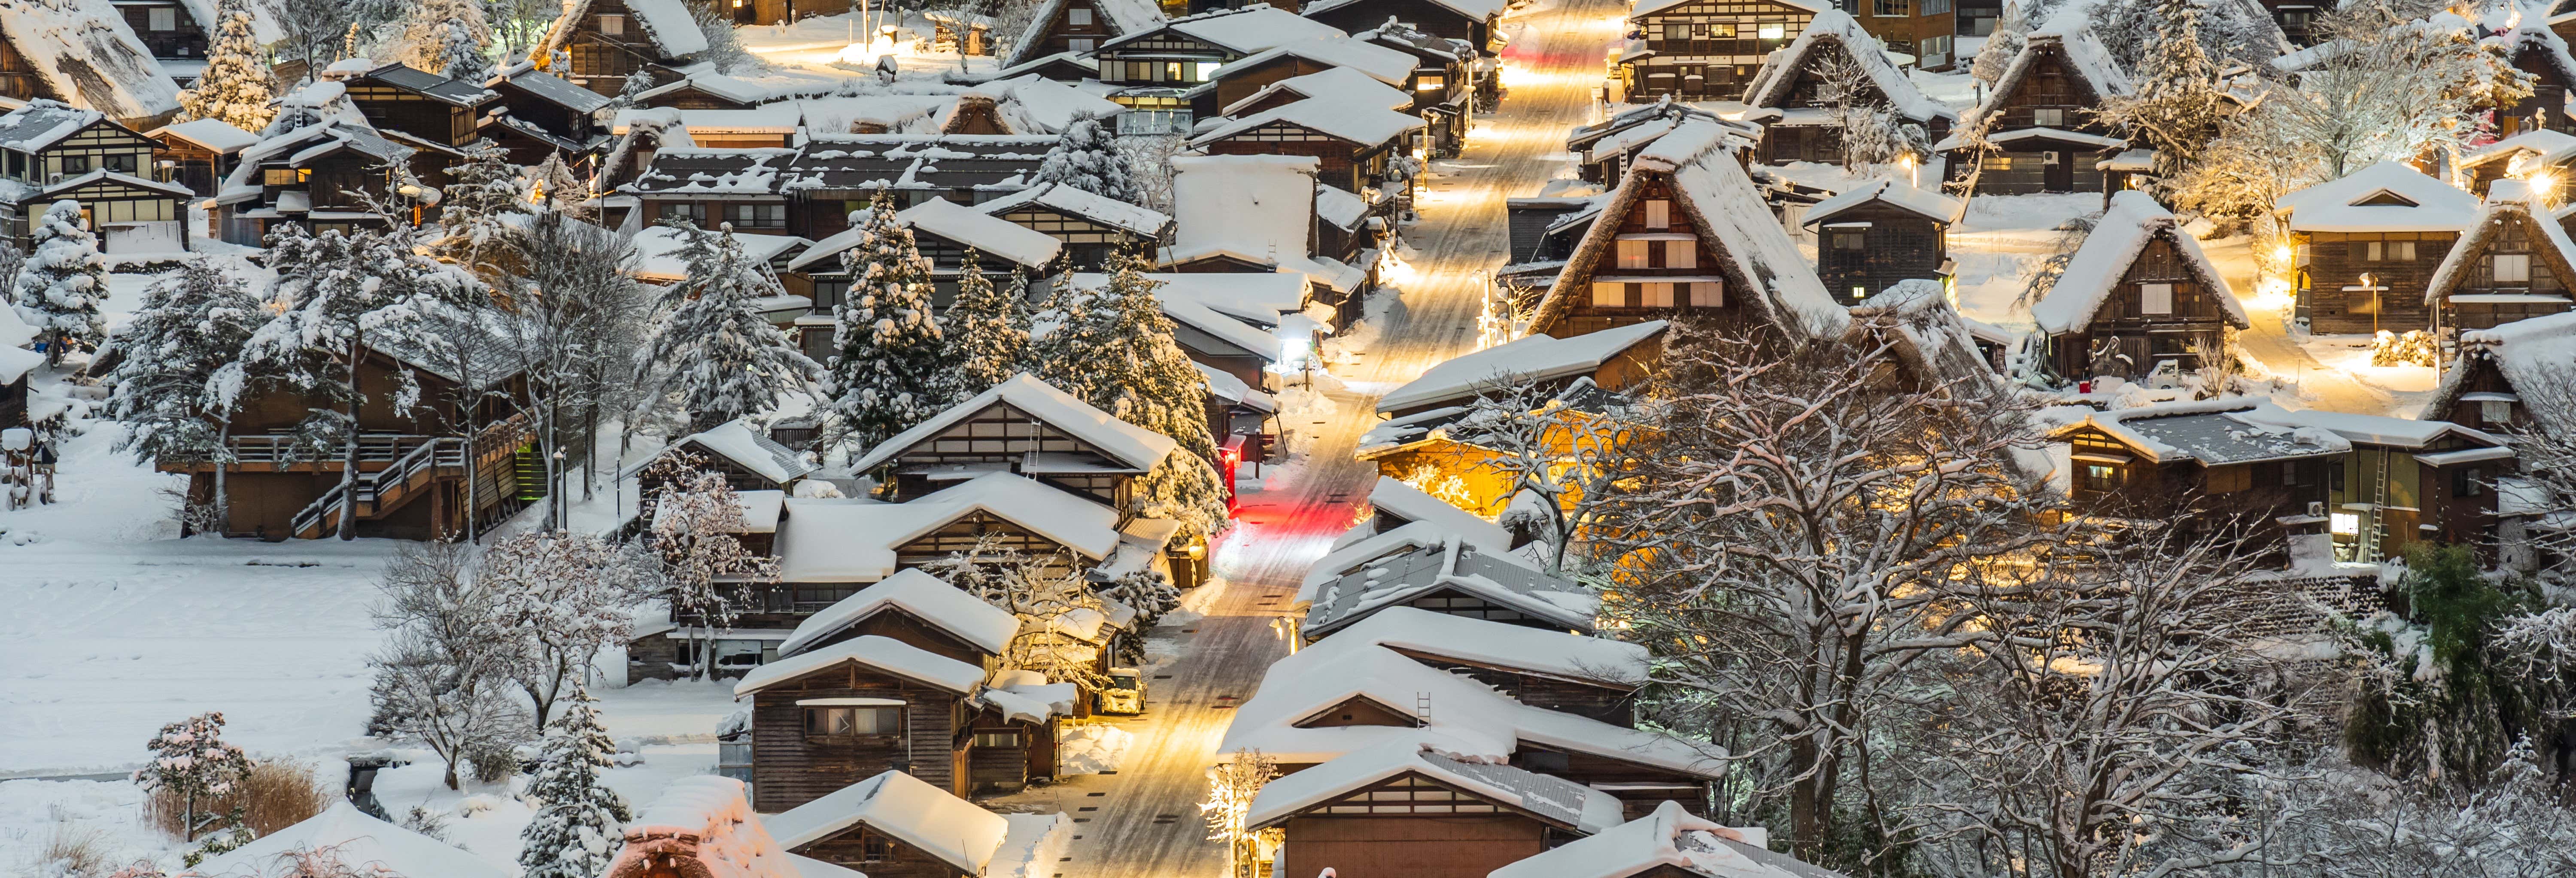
[
  {"x": 893, "y": 369},
  {"x": 179, "y": 377},
  {"x": 988, "y": 329},
  {"x": 234, "y": 87},
  {"x": 425, "y": 38},
  {"x": 2176, "y": 103},
  {"x": 558, "y": 188},
  {"x": 460, "y": 56},
  {"x": 632, "y": 94},
  {"x": 2004, "y": 44},
  {"x": 476, "y": 205},
  {"x": 62, "y": 282},
  {"x": 578, "y": 824},
  {"x": 1113, "y": 348},
  {"x": 723, "y": 359},
  {"x": 1086, "y": 157}
]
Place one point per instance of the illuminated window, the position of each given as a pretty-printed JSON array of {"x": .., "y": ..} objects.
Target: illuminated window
[
  {"x": 1774, "y": 31},
  {"x": 1658, "y": 295},
  {"x": 1707, "y": 294},
  {"x": 1659, "y": 214},
  {"x": 1632, "y": 254},
  {"x": 2344, "y": 523},
  {"x": 1610, "y": 295},
  {"x": 612, "y": 25},
  {"x": 1681, "y": 254}
]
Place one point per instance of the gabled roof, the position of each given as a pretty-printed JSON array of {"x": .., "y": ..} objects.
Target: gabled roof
[
  {"x": 1097, "y": 208},
  {"x": 1664, "y": 108},
  {"x": 1337, "y": 83},
  {"x": 2409, "y": 200},
  {"x": 2070, "y": 37},
  {"x": 84, "y": 52},
  {"x": 879, "y": 653},
  {"x": 1597, "y": 661},
  {"x": 2362, "y": 429},
  {"x": 361, "y": 842},
  {"x": 1530, "y": 357},
  {"x": 1243, "y": 30},
  {"x": 2541, "y": 146},
  {"x": 447, "y": 90},
  {"x": 1135, "y": 446},
  {"x": 905, "y": 808},
  {"x": 1670, "y": 837},
  {"x": 967, "y": 226},
  {"x": 1395, "y": 499},
  {"x": 1835, "y": 30},
  {"x": 1378, "y": 62},
  {"x": 213, "y": 134},
  {"x": 666, "y": 22},
  {"x": 43, "y": 123},
  {"x": 1921, "y": 202},
  {"x": 1760, "y": 263},
  {"x": 2215, "y": 432},
  {"x": 1258, "y": 209},
  {"x": 2533, "y": 356},
  {"x": 1358, "y": 123},
  {"x": 2509, "y": 202},
  {"x": 708, "y": 821},
  {"x": 2134, "y": 220},
  {"x": 1556, "y": 800},
  {"x": 553, "y": 89},
  {"x": 1119, "y": 17},
  {"x": 738, "y": 441},
  {"x": 925, "y": 597},
  {"x": 1352, "y": 554},
  {"x": 1454, "y": 565},
  {"x": 855, "y": 540}
]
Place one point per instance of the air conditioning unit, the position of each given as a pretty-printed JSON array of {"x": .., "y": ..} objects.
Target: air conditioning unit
[{"x": 2316, "y": 510}]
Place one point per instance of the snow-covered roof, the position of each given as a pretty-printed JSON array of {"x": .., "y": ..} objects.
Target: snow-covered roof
[
  {"x": 1530, "y": 357},
  {"x": 361, "y": 842},
  {"x": 1139, "y": 448},
  {"x": 920, "y": 594},
  {"x": 1119, "y": 17},
  {"x": 746, "y": 446},
  {"x": 2069, "y": 37},
  {"x": 1456, "y": 565},
  {"x": 1337, "y": 83},
  {"x": 1442, "y": 759},
  {"x": 761, "y": 510},
  {"x": 2133, "y": 221},
  {"x": 657, "y": 251},
  {"x": 1353, "y": 553},
  {"x": 708, "y": 821},
  {"x": 1358, "y": 123},
  {"x": 1396, "y": 500},
  {"x": 2533, "y": 356},
  {"x": 1755, "y": 255},
  {"x": 84, "y": 51},
  {"x": 2213, "y": 432},
  {"x": 42, "y": 123},
  {"x": 2538, "y": 147},
  {"x": 1836, "y": 30},
  {"x": 1379, "y": 62},
  {"x": 982, "y": 231},
  {"x": 2408, "y": 201},
  {"x": 1071, "y": 201},
  {"x": 666, "y": 22},
  {"x": 213, "y": 134},
  {"x": 704, "y": 171},
  {"x": 1047, "y": 105},
  {"x": 855, "y": 540},
  {"x": 1597, "y": 661},
  {"x": 2510, "y": 202},
  {"x": 1243, "y": 30},
  {"x": 902, "y": 807},
  {"x": 1923, "y": 202},
  {"x": 2363, "y": 429},
  {"x": 1668, "y": 837},
  {"x": 1649, "y": 7},
  {"x": 880, "y": 653},
  {"x": 15, "y": 361},
  {"x": 1255, "y": 207},
  {"x": 1074, "y": 520}
]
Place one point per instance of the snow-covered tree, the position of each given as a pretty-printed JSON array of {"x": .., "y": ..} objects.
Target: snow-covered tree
[
  {"x": 191, "y": 761},
  {"x": 580, "y": 316},
  {"x": 62, "y": 282},
  {"x": 559, "y": 189},
  {"x": 724, "y": 48},
  {"x": 476, "y": 207},
  {"x": 443, "y": 677},
  {"x": 716, "y": 357},
  {"x": 234, "y": 87},
  {"x": 1042, "y": 590},
  {"x": 1556, "y": 450},
  {"x": 2225, "y": 33},
  {"x": 1112, "y": 347},
  {"x": 179, "y": 374},
  {"x": 987, "y": 329},
  {"x": 579, "y": 823},
  {"x": 1086, "y": 157},
  {"x": 894, "y": 368},
  {"x": 1871, "y": 132},
  {"x": 565, "y": 596},
  {"x": 2176, "y": 104},
  {"x": 2012, "y": 31},
  {"x": 1232, "y": 785},
  {"x": 460, "y": 55},
  {"x": 632, "y": 93},
  {"x": 696, "y": 534},
  {"x": 2444, "y": 699},
  {"x": 427, "y": 32}
]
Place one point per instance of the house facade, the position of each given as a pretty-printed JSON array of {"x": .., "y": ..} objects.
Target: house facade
[
  {"x": 1696, "y": 50},
  {"x": 50, "y": 152},
  {"x": 2366, "y": 247},
  {"x": 2514, "y": 264},
  {"x": 2139, "y": 297},
  {"x": 2037, "y": 130},
  {"x": 1875, "y": 236}
]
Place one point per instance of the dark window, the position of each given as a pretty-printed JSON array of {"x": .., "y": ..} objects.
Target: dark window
[
  {"x": 828, "y": 293},
  {"x": 1545, "y": 760},
  {"x": 760, "y": 216},
  {"x": 1009, "y": 738},
  {"x": 2469, "y": 482},
  {"x": 692, "y": 212},
  {"x": 853, "y": 721},
  {"x": 75, "y": 164},
  {"x": 1850, "y": 241},
  {"x": 122, "y": 163}
]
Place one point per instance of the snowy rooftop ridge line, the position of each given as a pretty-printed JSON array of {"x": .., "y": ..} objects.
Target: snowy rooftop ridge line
[
  {"x": 1531, "y": 357},
  {"x": 881, "y": 653},
  {"x": 1772, "y": 83},
  {"x": 1441, "y": 758},
  {"x": 2510, "y": 201},
  {"x": 957, "y": 832},
  {"x": 1135, "y": 446},
  {"x": 925, "y": 597},
  {"x": 2385, "y": 197}
]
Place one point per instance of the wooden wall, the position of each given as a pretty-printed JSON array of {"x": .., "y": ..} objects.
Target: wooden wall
[
  {"x": 790, "y": 769},
  {"x": 1408, "y": 846},
  {"x": 2338, "y": 259}
]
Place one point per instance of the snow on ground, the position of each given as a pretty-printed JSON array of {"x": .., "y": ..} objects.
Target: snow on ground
[
  {"x": 813, "y": 45},
  {"x": 1046, "y": 837},
  {"x": 1956, "y": 90},
  {"x": 2001, "y": 241},
  {"x": 1092, "y": 748}
]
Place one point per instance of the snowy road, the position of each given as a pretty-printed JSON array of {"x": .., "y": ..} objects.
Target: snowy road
[{"x": 1146, "y": 820}]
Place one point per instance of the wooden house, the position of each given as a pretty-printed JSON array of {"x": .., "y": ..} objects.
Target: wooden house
[
  {"x": 1703, "y": 50},
  {"x": 895, "y": 825},
  {"x": 1407, "y": 808},
  {"x": 2137, "y": 297},
  {"x": 426, "y": 108},
  {"x": 1686, "y": 235},
  {"x": 943, "y": 233},
  {"x": 2535, "y": 50},
  {"x": 170, "y": 29},
  {"x": 1470, "y": 22},
  {"x": 1796, "y": 92},
  {"x": 201, "y": 151},
  {"x": 1024, "y": 426},
  {"x": 2407, "y": 483},
  {"x": 1236, "y": 214},
  {"x": 698, "y": 827},
  {"x": 831, "y": 717},
  {"x": 749, "y": 459},
  {"x": 610, "y": 40},
  {"x": 1870, "y": 238},
  {"x": 1089, "y": 227},
  {"x": 919, "y": 609},
  {"x": 318, "y": 176},
  {"x": 1457, "y": 580},
  {"x": 2297, "y": 20},
  {"x": 1418, "y": 435},
  {"x": 1075, "y": 27},
  {"x": 539, "y": 113},
  {"x": 16, "y": 364},
  {"x": 2037, "y": 130},
  {"x": 50, "y": 152},
  {"x": 2203, "y": 466},
  {"x": 2513, "y": 377},
  {"x": 2514, "y": 264},
  {"x": 1232, "y": 83},
  {"x": 1668, "y": 843},
  {"x": 1592, "y": 677},
  {"x": 1153, "y": 70},
  {"x": 1356, "y": 145},
  {"x": 2528, "y": 154},
  {"x": 2367, "y": 246},
  {"x": 413, "y": 463},
  {"x": 83, "y": 54},
  {"x": 1603, "y": 148}
]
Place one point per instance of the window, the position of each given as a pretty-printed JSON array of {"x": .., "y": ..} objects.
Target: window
[
  {"x": 1010, "y": 738},
  {"x": 1430, "y": 82},
  {"x": 2230, "y": 479},
  {"x": 2101, "y": 477},
  {"x": 17, "y": 164},
  {"x": 690, "y": 212},
  {"x": 1889, "y": 8},
  {"x": 281, "y": 177},
  {"x": 1079, "y": 44},
  {"x": 2495, "y": 411},
  {"x": 2155, "y": 298},
  {"x": 1659, "y": 214},
  {"x": 1677, "y": 32},
  {"x": 1658, "y": 295},
  {"x": 1936, "y": 7},
  {"x": 2469, "y": 482},
  {"x": 2511, "y": 268},
  {"x": 1077, "y": 17},
  {"x": 1609, "y": 295},
  {"x": 828, "y": 293},
  {"x": 1774, "y": 31},
  {"x": 75, "y": 164},
  {"x": 1707, "y": 294},
  {"x": 2346, "y": 524},
  {"x": 165, "y": 18},
  {"x": 2048, "y": 118},
  {"x": 612, "y": 25},
  {"x": 760, "y": 216},
  {"x": 1632, "y": 254},
  {"x": 851, "y": 721},
  {"x": 1681, "y": 254},
  {"x": 122, "y": 163},
  {"x": 1851, "y": 241}
]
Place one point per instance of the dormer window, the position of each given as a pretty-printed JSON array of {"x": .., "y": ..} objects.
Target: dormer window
[{"x": 612, "y": 25}]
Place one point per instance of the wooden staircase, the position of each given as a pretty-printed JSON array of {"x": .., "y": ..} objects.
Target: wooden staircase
[{"x": 378, "y": 493}]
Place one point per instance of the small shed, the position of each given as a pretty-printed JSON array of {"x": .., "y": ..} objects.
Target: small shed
[
  {"x": 1420, "y": 806},
  {"x": 201, "y": 151},
  {"x": 1872, "y": 236},
  {"x": 2514, "y": 264},
  {"x": 831, "y": 717},
  {"x": 2138, "y": 294}
]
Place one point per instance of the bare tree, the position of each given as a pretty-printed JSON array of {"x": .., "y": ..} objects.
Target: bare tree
[
  {"x": 444, "y": 674},
  {"x": 1557, "y": 447},
  {"x": 1232, "y": 784},
  {"x": 1049, "y": 594},
  {"x": 580, "y": 313},
  {"x": 695, "y": 528},
  {"x": 564, "y": 597}
]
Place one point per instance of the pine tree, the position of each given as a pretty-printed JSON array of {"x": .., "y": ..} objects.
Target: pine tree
[
  {"x": 723, "y": 358},
  {"x": 2177, "y": 100},
  {"x": 62, "y": 282},
  {"x": 476, "y": 206},
  {"x": 2004, "y": 44},
  {"x": 988, "y": 329},
  {"x": 426, "y": 32},
  {"x": 460, "y": 56},
  {"x": 179, "y": 377},
  {"x": 576, "y": 831},
  {"x": 191, "y": 761},
  {"x": 632, "y": 93},
  {"x": 234, "y": 87},
  {"x": 558, "y": 188},
  {"x": 893, "y": 369},
  {"x": 1113, "y": 348},
  {"x": 1086, "y": 157}
]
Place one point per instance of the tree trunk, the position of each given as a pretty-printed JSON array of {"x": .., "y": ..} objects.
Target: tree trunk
[
  {"x": 223, "y": 464},
  {"x": 349, "y": 455}
]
